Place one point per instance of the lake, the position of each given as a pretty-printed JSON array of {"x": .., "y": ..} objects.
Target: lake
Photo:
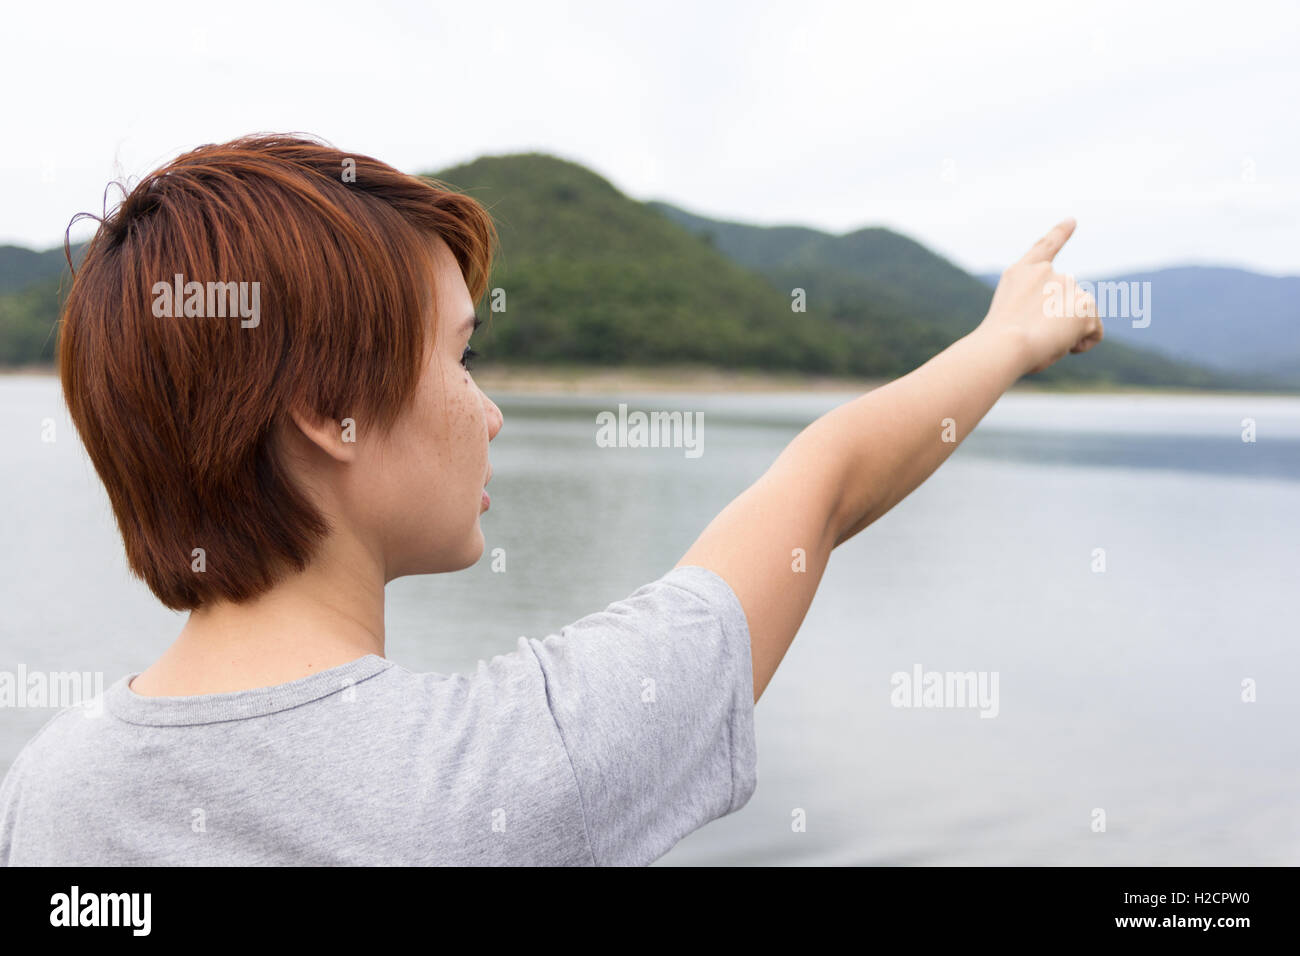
[{"x": 1119, "y": 690}]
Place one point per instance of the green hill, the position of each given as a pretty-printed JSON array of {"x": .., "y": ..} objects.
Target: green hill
[
  {"x": 20, "y": 267},
  {"x": 27, "y": 320},
  {"x": 591, "y": 276},
  {"x": 879, "y": 279},
  {"x": 32, "y": 285},
  {"x": 879, "y": 265}
]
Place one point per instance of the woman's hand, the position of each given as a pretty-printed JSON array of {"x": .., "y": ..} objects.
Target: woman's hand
[{"x": 1042, "y": 311}]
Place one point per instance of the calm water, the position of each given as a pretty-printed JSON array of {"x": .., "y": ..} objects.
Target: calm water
[{"x": 1118, "y": 690}]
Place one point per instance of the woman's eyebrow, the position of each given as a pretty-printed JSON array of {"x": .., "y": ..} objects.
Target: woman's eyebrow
[{"x": 473, "y": 320}]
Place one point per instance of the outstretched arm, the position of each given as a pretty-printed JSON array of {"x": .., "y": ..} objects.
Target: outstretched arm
[{"x": 857, "y": 461}]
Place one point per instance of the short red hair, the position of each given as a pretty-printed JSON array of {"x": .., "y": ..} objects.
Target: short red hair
[{"x": 178, "y": 413}]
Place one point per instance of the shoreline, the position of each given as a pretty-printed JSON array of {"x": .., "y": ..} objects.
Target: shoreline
[{"x": 588, "y": 380}]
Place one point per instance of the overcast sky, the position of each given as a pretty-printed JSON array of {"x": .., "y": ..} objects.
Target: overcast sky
[{"x": 1169, "y": 130}]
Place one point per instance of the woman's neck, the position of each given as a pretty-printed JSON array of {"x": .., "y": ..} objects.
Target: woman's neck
[{"x": 324, "y": 617}]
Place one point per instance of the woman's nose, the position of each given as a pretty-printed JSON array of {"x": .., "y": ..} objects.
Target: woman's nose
[{"x": 495, "y": 418}]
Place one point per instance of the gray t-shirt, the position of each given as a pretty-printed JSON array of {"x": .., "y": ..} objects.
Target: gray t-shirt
[{"x": 604, "y": 744}]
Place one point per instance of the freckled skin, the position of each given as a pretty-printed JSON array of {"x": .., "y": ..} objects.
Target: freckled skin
[{"x": 430, "y": 472}]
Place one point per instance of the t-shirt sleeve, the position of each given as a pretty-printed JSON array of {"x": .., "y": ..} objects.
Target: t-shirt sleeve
[{"x": 654, "y": 701}]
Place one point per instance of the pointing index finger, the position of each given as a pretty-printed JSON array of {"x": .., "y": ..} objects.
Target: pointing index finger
[{"x": 1046, "y": 248}]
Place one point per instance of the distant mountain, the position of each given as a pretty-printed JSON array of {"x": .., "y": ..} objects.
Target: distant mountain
[
  {"x": 32, "y": 286},
  {"x": 27, "y": 321},
  {"x": 880, "y": 279},
  {"x": 890, "y": 269},
  {"x": 1231, "y": 320},
  {"x": 21, "y": 267},
  {"x": 591, "y": 276}
]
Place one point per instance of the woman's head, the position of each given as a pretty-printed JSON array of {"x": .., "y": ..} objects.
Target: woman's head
[{"x": 263, "y": 347}]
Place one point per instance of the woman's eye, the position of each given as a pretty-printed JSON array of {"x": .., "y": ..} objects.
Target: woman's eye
[{"x": 467, "y": 357}]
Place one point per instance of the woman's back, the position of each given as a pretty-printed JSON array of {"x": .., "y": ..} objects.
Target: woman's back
[{"x": 606, "y": 743}]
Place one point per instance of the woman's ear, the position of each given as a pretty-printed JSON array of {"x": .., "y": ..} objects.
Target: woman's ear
[{"x": 338, "y": 439}]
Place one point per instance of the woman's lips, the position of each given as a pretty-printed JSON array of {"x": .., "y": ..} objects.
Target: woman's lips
[{"x": 487, "y": 502}]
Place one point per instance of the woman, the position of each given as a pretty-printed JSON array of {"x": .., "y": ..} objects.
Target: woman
[{"x": 266, "y": 353}]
